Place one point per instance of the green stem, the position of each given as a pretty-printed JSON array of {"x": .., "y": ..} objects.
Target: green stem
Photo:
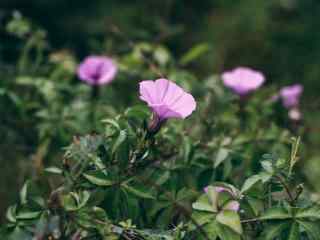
[
  {"x": 242, "y": 113},
  {"x": 286, "y": 187},
  {"x": 94, "y": 102},
  {"x": 23, "y": 60}
]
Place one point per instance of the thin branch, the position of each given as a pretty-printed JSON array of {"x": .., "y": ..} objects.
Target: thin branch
[
  {"x": 286, "y": 187},
  {"x": 250, "y": 220}
]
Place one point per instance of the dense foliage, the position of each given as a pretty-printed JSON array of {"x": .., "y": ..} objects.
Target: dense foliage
[{"x": 229, "y": 171}]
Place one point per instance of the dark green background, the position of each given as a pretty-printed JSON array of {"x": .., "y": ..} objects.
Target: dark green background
[{"x": 280, "y": 37}]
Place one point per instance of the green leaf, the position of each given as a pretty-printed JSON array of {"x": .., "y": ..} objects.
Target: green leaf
[
  {"x": 211, "y": 229},
  {"x": 294, "y": 232},
  {"x": 201, "y": 218},
  {"x": 84, "y": 218},
  {"x": 121, "y": 138},
  {"x": 99, "y": 213},
  {"x": 98, "y": 178},
  {"x": 203, "y": 204},
  {"x": 54, "y": 170},
  {"x": 185, "y": 194},
  {"x": 112, "y": 123},
  {"x": 187, "y": 149},
  {"x": 161, "y": 177},
  {"x": 222, "y": 155},
  {"x": 24, "y": 193},
  {"x": 20, "y": 234},
  {"x": 256, "y": 205},
  {"x": 69, "y": 202},
  {"x": 139, "y": 191},
  {"x": 312, "y": 212},
  {"x": 28, "y": 214},
  {"x": 253, "y": 180},
  {"x": 83, "y": 198},
  {"x": 294, "y": 153},
  {"x": 250, "y": 182},
  {"x": 161, "y": 55},
  {"x": 275, "y": 213},
  {"x": 267, "y": 166},
  {"x": 274, "y": 230},
  {"x": 225, "y": 233},
  {"x": 265, "y": 176},
  {"x": 213, "y": 197},
  {"x": 312, "y": 229},
  {"x": 11, "y": 213},
  {"x": 230, "y": 219},
  {"x": 194, "y": 53}
]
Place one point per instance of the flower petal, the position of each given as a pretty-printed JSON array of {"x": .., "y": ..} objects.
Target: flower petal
[
  {"x": 97, "y": 70},
  {"x": 167, "y": 99},
  {"x": 148, "y": 92},
  {"x": 185, "y": 105},
  {"x": 243, "y": 80}
]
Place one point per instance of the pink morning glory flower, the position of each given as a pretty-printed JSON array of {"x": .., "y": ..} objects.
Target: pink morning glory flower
[
  {"x": 290, "y": 95},
  {"x": 243, "y": 80},
  {"x": 166, "y": 99},
  {"x": 97, "y": 70}
]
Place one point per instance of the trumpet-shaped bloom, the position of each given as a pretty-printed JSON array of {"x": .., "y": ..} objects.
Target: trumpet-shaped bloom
[
  {"x": 97, "y": 70},
  {"x": 290, "y": 95},
  {"x": 243, "y": 80},
  {"x": 167, "y": 99}
]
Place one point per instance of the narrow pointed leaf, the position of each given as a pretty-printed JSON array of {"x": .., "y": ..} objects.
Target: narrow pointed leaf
[
  {"x": 312, "y": 229},
  {"x": 275, "y": 213},
  {"x": 312, "y": 212},
  {"x": 98, "y": 178},
  {"x": 294, "y": 232}
]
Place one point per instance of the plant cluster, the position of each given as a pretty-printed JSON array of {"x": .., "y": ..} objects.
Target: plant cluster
[{"x": 220, "y": 163}]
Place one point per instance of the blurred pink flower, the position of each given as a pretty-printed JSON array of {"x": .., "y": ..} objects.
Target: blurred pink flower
[
  {"x": 290, "y": 95},
  {"x": 232, "y": 205},
  {"x": 221, "y": 189},
  {"x": 243, "y": 80},
  {"x": 294, "y": 114},
  {"x": 166, "y": 99},
  {"x": 97, "y": 70}
]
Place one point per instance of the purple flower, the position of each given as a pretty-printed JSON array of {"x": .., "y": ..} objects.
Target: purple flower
[
  {"x": 290, "y": 95},
  {"x": 166, "y": 99},
  {"x": 243, "y": 80},
  {"x": 97, "y": 70}
]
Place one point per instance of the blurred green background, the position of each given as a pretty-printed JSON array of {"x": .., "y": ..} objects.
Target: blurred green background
[{"x": 279, "y": 37}]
